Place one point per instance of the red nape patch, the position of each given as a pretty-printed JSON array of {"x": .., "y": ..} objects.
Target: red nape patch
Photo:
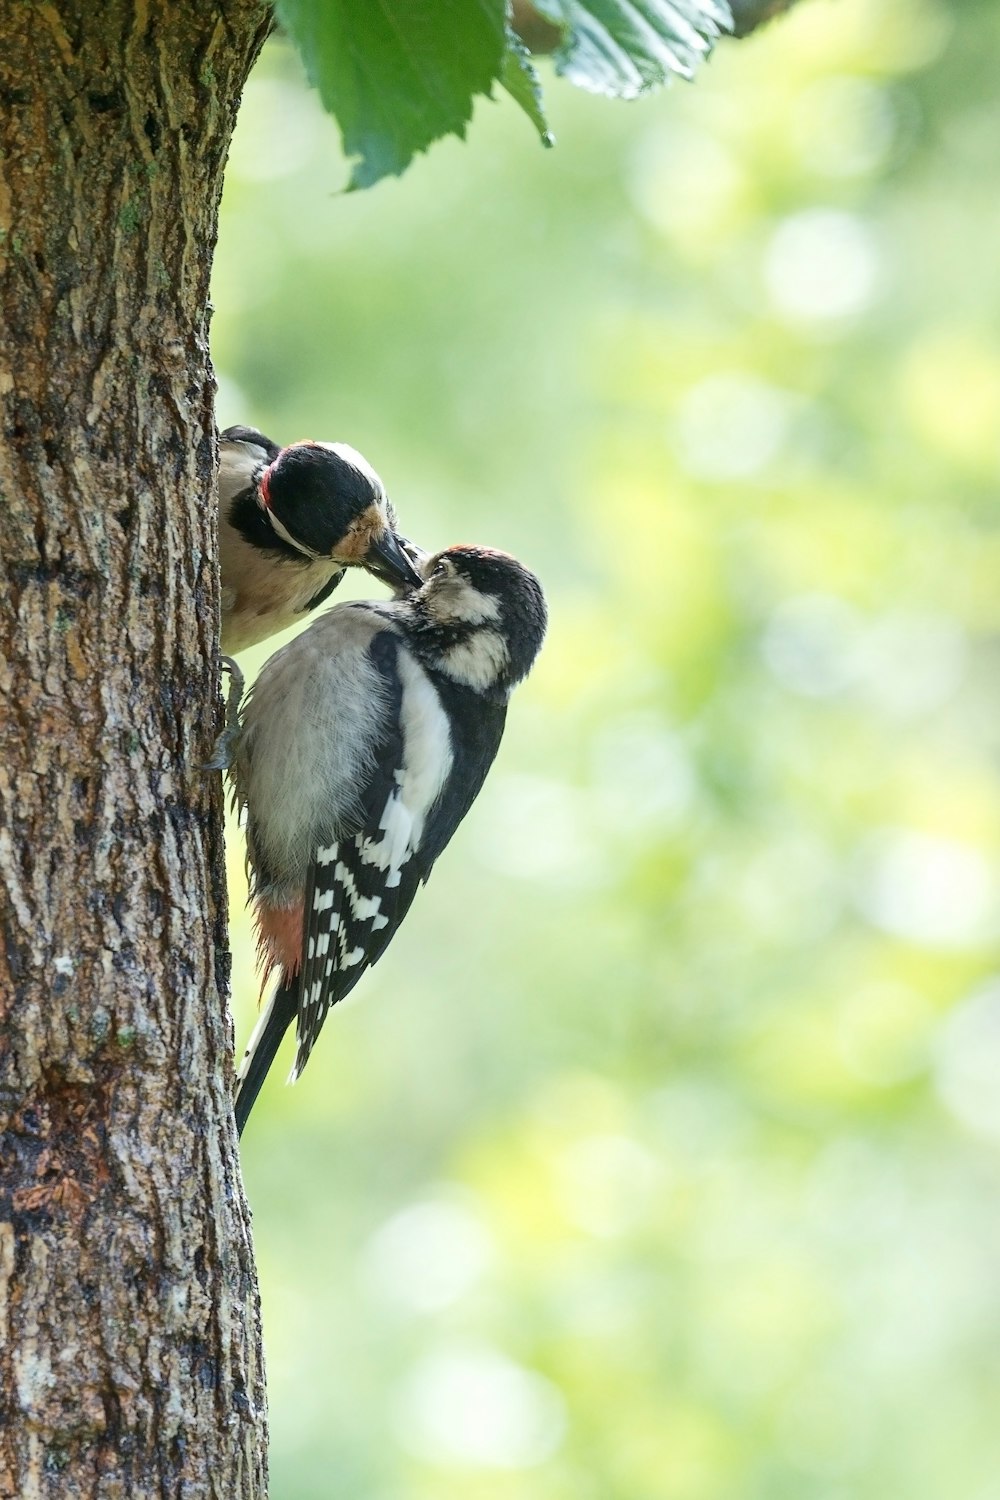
[
  {"x": 265, "y": 487},
  {"x": 279, "y": 941},
  {"x": 475, "y": 549}
]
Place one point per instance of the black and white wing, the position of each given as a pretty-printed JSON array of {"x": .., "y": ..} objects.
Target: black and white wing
[
  {"x": 434, "y": 745},
  {"x": 361, "y": 885}
]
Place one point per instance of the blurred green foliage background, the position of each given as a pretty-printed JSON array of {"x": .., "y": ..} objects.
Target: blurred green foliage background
[{"x": 658, "y": 1160}]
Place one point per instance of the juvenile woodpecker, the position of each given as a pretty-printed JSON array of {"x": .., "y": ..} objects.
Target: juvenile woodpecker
[
  {"x": 361, "y": 747},
  {"x": 291, "y": 520}
]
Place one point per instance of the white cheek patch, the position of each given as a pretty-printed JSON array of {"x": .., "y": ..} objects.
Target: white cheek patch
[
  {"x": 457, "y": 600},
  {"x": 477, "y": 662}
]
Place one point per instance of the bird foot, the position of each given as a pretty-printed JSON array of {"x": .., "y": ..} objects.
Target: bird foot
[{"x": 222, "y": 753}]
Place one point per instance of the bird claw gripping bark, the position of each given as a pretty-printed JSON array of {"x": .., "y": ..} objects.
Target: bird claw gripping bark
[{"x": 222, "y": 754}]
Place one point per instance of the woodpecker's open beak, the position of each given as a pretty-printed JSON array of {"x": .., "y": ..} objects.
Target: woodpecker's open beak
[{"x": 388, "y": 561}]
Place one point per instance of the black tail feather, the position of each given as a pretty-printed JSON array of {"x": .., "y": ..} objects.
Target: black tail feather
[{"x": 262, "y": 1050}]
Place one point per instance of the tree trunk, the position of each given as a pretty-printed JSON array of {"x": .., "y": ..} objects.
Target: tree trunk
[{"x": 130, "y": 1361}]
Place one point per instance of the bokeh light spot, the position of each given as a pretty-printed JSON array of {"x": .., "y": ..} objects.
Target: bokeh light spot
[
  {"x": 937, "y": 892},
  {"x": 472, "y": 1406},
  {"x": 429, "y": 1254},
  {"x": 821, "y": 267}
]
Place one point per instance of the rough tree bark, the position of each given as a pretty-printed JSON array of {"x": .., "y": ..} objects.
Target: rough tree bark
[{"x": 130, "y": 1360}]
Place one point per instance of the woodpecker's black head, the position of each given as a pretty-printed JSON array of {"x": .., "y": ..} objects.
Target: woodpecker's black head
[
  {"x": 484, "y": 615},
  {"x": 325, "y": 500}
]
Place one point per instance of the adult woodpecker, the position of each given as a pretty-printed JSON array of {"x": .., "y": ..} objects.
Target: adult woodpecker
[
  {"x": 291, "y": 521},
  {"x": 360, "y": 748}
]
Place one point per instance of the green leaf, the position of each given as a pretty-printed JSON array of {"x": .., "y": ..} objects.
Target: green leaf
[
  {"x": 627, "y": 47},
  {"x": 397, "y": 74},
  {"x": 523, "y": 85}
]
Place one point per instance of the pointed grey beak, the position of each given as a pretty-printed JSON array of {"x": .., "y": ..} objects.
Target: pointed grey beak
[{"x": 387, "y": 560}]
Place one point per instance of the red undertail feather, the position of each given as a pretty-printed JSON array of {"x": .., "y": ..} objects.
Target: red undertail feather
[{"x": 279, "y": 941}]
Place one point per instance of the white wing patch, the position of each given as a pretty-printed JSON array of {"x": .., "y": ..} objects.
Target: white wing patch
[
  {"x": 391, "y": 851},
  {"x": 427, "y": 754}
]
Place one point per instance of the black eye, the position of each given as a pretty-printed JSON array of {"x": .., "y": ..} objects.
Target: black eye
[{"x": 440, "y": 569}]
